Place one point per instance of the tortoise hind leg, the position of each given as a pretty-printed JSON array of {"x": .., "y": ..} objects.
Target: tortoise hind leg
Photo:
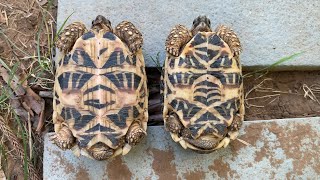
[
  {"x": 230, "y": 37},
  {"x": 178, "y": 37},
  {"x": 69, "y": 35},
  {"x": 64, "y": 138},
  {"x": 173, "y": 124},
  {"x": 135, "y": 134},
  {"x": 128, "y": 33}
]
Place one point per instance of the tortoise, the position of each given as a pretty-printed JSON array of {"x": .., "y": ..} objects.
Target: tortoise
[
  {"x": 100, "y": 89},
  {"x": 203, "y": 104}
]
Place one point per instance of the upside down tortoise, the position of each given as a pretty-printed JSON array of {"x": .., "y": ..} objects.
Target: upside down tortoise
[
  {"x": 100, "y": 90},
  {"x": 202, "y": 86}
]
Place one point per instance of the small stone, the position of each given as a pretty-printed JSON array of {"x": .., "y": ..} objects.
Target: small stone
[{"x": 286, "y": 114}]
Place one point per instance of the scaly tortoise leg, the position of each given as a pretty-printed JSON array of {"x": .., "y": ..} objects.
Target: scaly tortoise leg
[
  {"x": 178, "y": 37},
  {"x": 69, "y": 35},
  {"x": 135, "y": 134},
  {"x": 230, "y": 37},
  {"x": 128, "y": 33},
  {"x": 174, "y": 126},
  {"x": 237, "y": 120},
  {"x": 64, "y": 138}
]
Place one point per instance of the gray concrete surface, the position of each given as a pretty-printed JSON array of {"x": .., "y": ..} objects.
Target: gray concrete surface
[
  {"x": 269, "y": 30},
  {"x": 280, "y": 149}
]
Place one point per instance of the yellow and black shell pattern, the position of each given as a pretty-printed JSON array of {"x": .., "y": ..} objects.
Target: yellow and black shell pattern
[
  {"x": 203, "y": 86},
  {"x": 100, "y": 90}
]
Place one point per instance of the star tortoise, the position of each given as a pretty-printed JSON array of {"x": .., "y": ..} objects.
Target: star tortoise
[
  {"x": 100, "y": 90},
  {"x": 202, "y": 86}
]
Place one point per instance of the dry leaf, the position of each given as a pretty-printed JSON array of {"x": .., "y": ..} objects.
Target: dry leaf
[
  {"x": 3, "y": 17},
  {"x": 32, "y": 103},
  {"x": 12, "y": 81},
  {"x": 18, "y": 109}
]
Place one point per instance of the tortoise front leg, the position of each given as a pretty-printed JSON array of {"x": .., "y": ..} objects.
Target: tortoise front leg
[
  {"x": 178, "y": 37},
  {"x": 129, "y": 34},
  {"x": 69, "y": 35},
  {"x": 230, "y": 37},
  {"x": 64, "y": 138}
]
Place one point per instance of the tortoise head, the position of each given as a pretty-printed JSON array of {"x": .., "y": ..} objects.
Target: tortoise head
[
  {"x": 101, "y": 23},
  {"x": 201, "y": 24},
  {"x": 101, "y": 151}
]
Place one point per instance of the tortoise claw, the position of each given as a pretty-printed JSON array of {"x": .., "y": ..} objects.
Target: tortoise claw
[{"x": 173, "y": 51}]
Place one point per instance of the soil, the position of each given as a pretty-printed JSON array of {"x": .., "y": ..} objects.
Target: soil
[
  {"x": 275, "y": 95},
  {"x": 284, "y": 94},
  {"x": 26, "y": 32}
]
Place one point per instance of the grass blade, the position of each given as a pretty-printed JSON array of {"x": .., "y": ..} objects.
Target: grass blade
[
  {"x": 280, "y": 61},
  {"x": 156, "y": 61},
  {"x": 61, "y": 28}
]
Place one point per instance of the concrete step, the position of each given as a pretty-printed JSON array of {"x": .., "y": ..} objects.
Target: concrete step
[
  {"x": 268, "y": 30},
  {"x": 280, "y": 149}
]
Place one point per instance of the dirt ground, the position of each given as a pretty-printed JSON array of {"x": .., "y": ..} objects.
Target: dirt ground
[
  {"x": 27, "y": 29},
  {"x": 279, "y": 95}
]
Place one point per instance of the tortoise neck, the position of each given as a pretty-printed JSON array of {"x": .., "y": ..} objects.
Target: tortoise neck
[{"x": 101, "y": 27}]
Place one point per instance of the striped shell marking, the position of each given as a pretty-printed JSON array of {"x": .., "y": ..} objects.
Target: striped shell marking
[
  {"x": 203, "y": 86},
  {"x": 100, "y": 89}
]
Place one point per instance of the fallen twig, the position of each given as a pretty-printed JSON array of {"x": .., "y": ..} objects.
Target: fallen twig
[
  {"x": 46, "y": 94},
  {"x": 309, "y": 93}
]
